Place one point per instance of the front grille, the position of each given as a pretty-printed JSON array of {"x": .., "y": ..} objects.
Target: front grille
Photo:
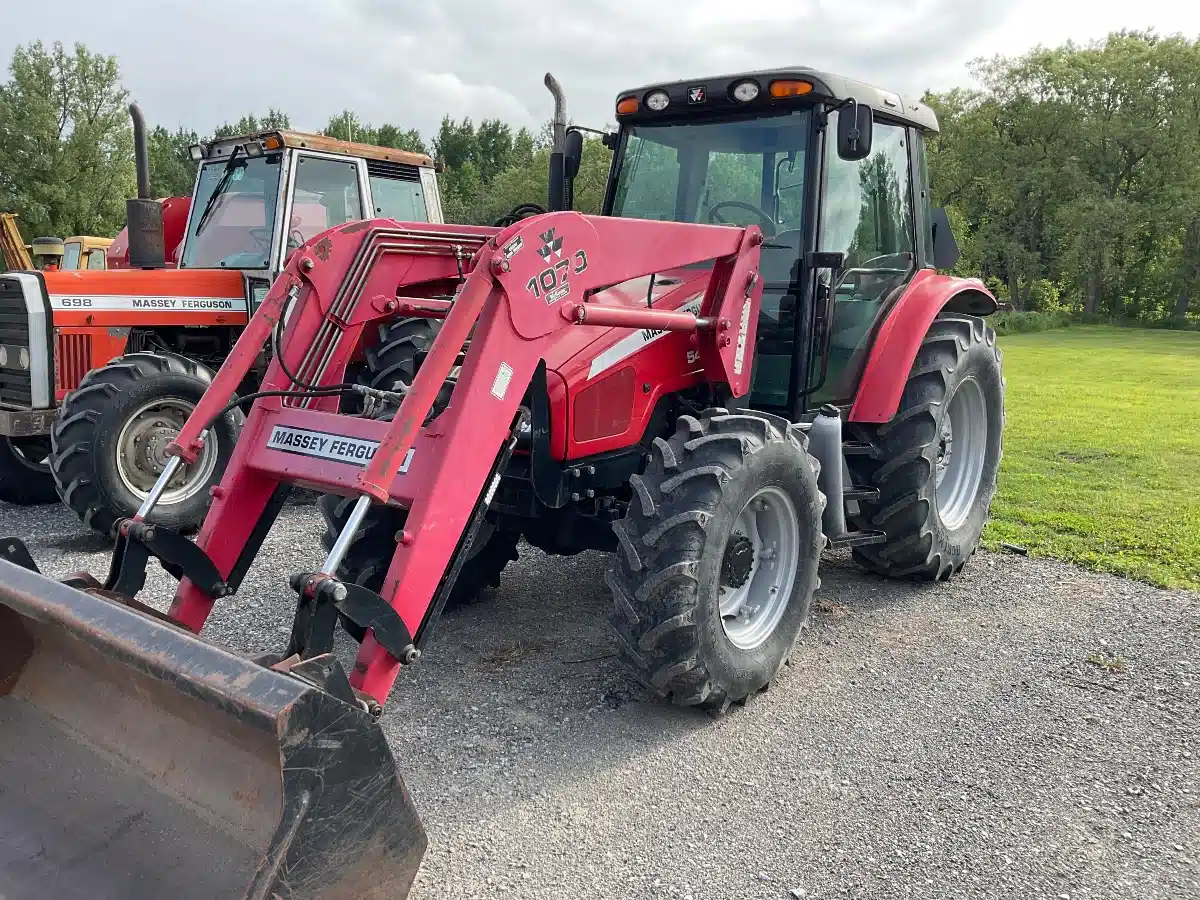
[
  {"x": 379, "y": 168},
  {"x": 73, "y": 358},
  {"x": 16, "y": 384}
]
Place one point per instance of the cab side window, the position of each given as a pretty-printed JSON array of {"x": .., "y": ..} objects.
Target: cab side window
[
  {"x": 396, "y": 191},
  {"x": 326, "y": 194}
]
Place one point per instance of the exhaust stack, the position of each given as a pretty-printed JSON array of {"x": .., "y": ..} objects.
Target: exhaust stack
[
  {"x": 556, "y": 198},
  {"x": 147, "y": 243}
]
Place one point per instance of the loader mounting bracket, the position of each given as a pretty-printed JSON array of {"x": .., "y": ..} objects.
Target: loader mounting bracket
[
  {"x": 323, "y": 672},
  {"x": 322, "y": 597},
  {"x": 137, "y": 542}
]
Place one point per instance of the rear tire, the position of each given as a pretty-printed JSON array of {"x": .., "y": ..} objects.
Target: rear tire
[
  {"x": 370, "y": 554},
  {"x": 695, "y": 537},
  {"x": 394, "y": 358},
  {"x": 25, "y": 478},
  {"x": 110, "y": 433},
  {"x": 951, "y": 418}
]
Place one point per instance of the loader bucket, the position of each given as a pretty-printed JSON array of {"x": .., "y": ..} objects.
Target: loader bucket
[{"x": 139, "y": 761}]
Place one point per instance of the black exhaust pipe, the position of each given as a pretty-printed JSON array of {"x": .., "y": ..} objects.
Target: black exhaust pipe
[
  {"x": 556, "y": 194},
  {"x": 147, "y": 242}
]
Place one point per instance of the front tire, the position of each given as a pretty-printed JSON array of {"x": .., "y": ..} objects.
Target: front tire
[
  {"x": 718, "y": 558},
  {"x": 111, "y": 433},
  {"x": 25, "y": 478},
  {"x": 939, "y": 456}
]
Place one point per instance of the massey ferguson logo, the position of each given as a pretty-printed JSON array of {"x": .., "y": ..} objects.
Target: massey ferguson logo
[
  {"x": 697, "y": 94},
  {"x": 551, "y": 245}
]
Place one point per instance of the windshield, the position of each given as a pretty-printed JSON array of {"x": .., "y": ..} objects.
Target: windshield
[
  {"x": 236, "y": 233},
  {"x": 745, "y": 171}
]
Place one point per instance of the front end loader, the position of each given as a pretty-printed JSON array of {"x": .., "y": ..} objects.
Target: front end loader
[
  {"x": 271, "y": 775},
  {"x": 714, "y": 403}
]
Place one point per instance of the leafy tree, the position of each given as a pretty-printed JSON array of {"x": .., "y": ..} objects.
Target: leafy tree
[
  {"x": 392, "y": 136},
  {"x": 172, "y": 172},
  {"x": 346, "y": 126},
  {"x": 252, "y": 124},
  {"x": 1080, "y": 166},
  {"x": 66, "y": 145}
]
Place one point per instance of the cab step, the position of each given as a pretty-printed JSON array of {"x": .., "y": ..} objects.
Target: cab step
[
  {"x": 856, "y": 539},
  {"x": 859, "y": 493}
]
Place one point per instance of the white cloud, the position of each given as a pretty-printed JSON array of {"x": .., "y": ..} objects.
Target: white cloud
[{"x": 392, "y": 60}]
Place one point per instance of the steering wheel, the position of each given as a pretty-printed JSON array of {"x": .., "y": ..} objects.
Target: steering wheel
[
  {"x": 522, "y": 211},
  {"x": 764, "y": 221},
  {"x": 261, "y": 235}
]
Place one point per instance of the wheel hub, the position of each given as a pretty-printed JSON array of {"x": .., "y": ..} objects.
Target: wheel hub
[
  {"x": 152, "y": 446},
  {"x": 142, "y": 451},
  {"x": 962, "y": 448},
  {"x": 739, "y": 559},
  {"x": 758, "y": 568}
]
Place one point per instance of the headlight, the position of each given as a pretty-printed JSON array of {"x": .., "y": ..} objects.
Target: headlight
[
  {"x": 657, "y": 100},
  {"x": 745, "y": 91}
]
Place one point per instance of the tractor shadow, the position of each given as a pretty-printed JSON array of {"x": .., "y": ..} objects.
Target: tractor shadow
[{"x": 520, "y": 697}]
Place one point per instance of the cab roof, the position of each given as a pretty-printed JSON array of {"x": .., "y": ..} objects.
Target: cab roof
[
  {"x": 221, "y": 147},
  {"x": 717, "y": 96}
]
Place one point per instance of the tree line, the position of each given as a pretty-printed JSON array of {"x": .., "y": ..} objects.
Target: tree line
[{"x": 1071, "y": 174}]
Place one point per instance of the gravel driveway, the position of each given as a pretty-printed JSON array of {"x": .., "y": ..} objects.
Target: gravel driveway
[{"x": 927, "y": 740}]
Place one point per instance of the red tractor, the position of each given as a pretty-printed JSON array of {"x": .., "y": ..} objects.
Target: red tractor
[
  {"x": 748, "y": 358},
  {"x": 99, "y": 369}
]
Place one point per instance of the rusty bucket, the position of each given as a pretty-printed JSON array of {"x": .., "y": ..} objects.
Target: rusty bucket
[{"x": 139, "y": 761}]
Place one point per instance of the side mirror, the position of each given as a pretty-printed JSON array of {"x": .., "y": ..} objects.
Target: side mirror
[
  {"x": 945, "y": 248},
  {"x": 854, "y": 130},
  {"x": 572, "y": 152}
]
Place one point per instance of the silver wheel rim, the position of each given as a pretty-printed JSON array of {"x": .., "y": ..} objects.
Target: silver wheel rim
[
  {"x": 32, "y": 454},
  {"x": 751, "y": 606},
  {"x": 962, "y": 446},
  {"x": 141, "y": 452}
]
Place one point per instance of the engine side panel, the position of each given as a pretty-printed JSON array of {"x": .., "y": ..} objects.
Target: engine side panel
[{"x": 610, "y": 380}]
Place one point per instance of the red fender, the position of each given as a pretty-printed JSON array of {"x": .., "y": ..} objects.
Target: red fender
[{"x": 900, "y": 337}]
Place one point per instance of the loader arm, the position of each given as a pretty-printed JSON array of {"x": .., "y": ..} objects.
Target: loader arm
[{"x": 525, "y": 285}]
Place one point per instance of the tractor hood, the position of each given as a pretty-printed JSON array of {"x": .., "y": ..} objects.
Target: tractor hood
[
  {"x": 608, "y": 380},
  {"x": 131, "y": 297}
]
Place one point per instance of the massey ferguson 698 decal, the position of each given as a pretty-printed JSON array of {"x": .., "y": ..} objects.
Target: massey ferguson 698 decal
[{"x": 124, "y": 303}]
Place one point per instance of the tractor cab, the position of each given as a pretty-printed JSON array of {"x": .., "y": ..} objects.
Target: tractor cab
[
  {"x": 832, "y": 170},
  {"x": 258, "y": 197}
]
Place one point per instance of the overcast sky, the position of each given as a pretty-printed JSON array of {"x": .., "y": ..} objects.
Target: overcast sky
[{"x": 411, "y": 61}]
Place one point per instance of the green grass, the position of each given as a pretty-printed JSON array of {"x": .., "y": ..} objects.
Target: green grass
[{"x": 1102, "y": 451}]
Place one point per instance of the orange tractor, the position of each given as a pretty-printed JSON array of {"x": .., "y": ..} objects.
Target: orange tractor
[
  {"x": 100, "y": 369},
  {"x": 749, "y": 357}
]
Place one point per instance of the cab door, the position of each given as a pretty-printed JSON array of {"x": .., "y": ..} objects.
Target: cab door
[
  {"x": 324, "y": 191},
  {"x": 868, "y": 215}
]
